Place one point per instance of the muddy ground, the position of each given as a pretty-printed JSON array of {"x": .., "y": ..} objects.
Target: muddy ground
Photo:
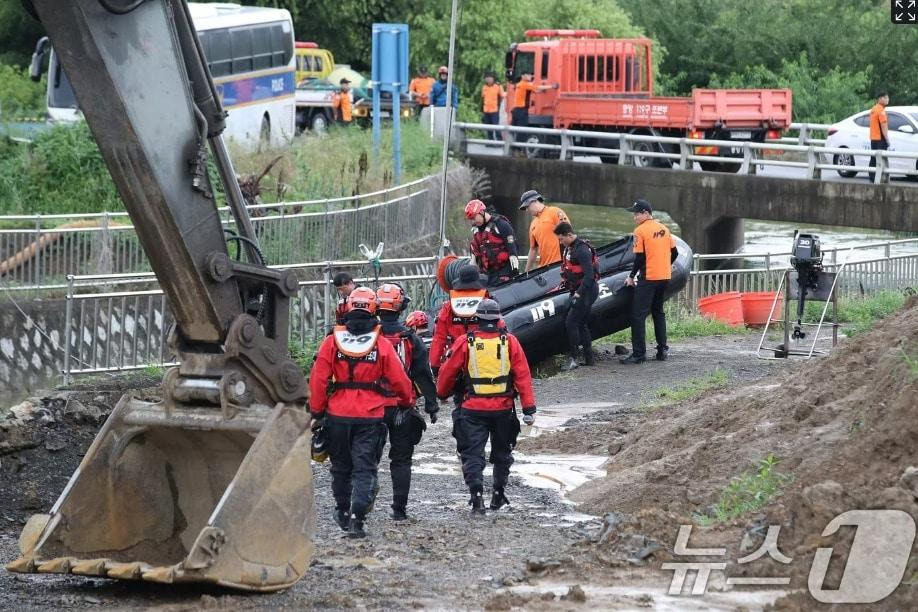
[{"x": 530, "y": 555}]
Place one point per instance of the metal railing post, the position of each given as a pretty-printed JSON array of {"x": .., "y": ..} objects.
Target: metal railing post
[
  {"x": 880, "y": 174},
  {"x": 684, "y": 152},
  {"x": 747, "y": 167},
  {"x": 508, "y": 142},
  {"x": 326, "y": 312},
  {"x": 565, "y": 143},
  {"x": 37, "y": 251},
  {"x": 804, "y": 133},
  {"x": 811, "y": 161},
  {"x": 68, "y": 329},
  {"x": 623, "y": 149}
]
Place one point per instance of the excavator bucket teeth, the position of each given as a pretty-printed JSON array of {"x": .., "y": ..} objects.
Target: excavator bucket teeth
[{"x": 184, "y": 496}]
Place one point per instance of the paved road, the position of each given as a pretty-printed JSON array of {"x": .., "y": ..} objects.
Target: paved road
[{"x": 782, "y": 171}]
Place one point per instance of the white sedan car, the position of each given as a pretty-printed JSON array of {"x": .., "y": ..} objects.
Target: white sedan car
[{"x": 854, "y": 133}]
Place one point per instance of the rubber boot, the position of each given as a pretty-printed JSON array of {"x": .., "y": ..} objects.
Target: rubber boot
[
  {"x": 498, "y": 499},
  {"x": 662, "y": 352},
  {"x": 342, "y": 518},
  {"x": 477, "y": 500},
  {"x": 399, "y": 514},
  {"x": 355, "y": 528}
]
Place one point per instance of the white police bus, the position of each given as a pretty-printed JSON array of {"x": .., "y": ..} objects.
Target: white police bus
[{"x": 250, "y": 54}]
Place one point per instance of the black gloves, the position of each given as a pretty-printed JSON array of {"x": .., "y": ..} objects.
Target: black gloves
[{"x": 431, "y": 408}]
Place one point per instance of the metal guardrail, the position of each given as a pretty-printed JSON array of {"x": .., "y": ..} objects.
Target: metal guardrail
[
  {"x": 129, "y": 326},
  {"x": 643, "y": 151},
  {"x": 41, "y": 257}
]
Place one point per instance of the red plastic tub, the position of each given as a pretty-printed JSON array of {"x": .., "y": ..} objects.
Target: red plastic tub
[
  {"x": 726, "y": 307},
  {"x": 757, "y": 306}
]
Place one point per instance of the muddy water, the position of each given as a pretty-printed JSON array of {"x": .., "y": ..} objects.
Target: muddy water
[{"x": 602, "y": 225}]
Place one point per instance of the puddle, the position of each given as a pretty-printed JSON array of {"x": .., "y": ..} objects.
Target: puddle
[
  {"x": 555, "y": 416},
  {"x": 633, "y": 597}
]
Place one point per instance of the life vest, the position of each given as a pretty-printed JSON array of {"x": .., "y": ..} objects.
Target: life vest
[
  {"x": 354, "y": 349},
  {"x": 488, "y": 366},
  {"x": 491, "y": 246},
  {"x": 571, "y": 272},
  {"x": 464, "y": 304}
]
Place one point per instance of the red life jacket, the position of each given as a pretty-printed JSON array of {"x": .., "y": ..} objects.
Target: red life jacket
[
  {"x": 491, "y": 247},
  {"x": 355, "y": 350},
  {"x": 401, "y": 342},
  {"x": 571, "y": 272}
]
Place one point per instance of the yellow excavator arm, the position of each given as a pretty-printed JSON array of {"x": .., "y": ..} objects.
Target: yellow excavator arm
[{"x": 213, "y": 483}]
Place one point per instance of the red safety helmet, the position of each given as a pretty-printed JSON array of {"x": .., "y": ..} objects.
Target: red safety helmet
[
  {"x": 474, "y": 207},
  {"x": 417, "y": 319},
  {"x": 362, "y": 298},
  {"x": 391, "y": 297},
  {"x": 442, "y": 69}
]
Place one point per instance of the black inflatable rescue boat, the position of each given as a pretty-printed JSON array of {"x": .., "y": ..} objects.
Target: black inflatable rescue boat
[{"x": 534, "y": 306}]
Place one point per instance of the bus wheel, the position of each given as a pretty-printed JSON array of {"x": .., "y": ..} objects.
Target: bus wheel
[{"x": 264, "y": 135}]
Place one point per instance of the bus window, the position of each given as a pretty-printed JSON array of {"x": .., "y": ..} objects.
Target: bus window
[
  {"x": 261, "y": 48},
  {"x": 241, "y": 39},
  {"x": 219, "y": 53},
  {"x": 280, "y": 43}
]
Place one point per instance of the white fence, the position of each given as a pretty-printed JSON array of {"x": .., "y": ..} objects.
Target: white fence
[
  {"x": 644, "y": 151},
  {"x": 41, "y": 255},
  {"x": 125, "y": 325}
]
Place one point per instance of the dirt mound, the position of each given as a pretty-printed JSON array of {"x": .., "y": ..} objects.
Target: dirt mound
[
  {"x": 844, "y": 427},
  {"x": 43, "y": 439}
]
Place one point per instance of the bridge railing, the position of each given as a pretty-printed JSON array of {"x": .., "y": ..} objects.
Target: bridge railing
[{"x": 681, "y": 153}]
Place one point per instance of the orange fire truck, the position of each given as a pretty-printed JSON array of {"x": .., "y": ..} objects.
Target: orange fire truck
[{"x": 606, "y": 85}]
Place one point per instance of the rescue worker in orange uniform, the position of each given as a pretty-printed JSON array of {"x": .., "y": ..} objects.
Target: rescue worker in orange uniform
[
  {"x": 420, "y": 87},
  {"x": 356, "y": 375},
  {"x": 655, "y": 251},
  {"x": 457, "y": 315},
  {"x": 580, "y": 271},
  {"x": 544, "y": 248},
  {"x": 879, "y": 128},
  {"x": 492, "y": 93},
  {"x": 406, "y": 426},
  {"x": 493, "y": 243},
  {"x": 522, "y": 98},
  {"x": 341, "y": 103},
  {"x": 494, "y": 368}
]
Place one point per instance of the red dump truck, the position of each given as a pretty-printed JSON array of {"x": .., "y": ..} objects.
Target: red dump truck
[{"x": 606, "y": 85}]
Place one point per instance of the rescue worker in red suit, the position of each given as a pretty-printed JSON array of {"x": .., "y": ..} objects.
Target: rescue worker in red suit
[
  {"x": 405, "y": 426},
  {"x": 356, "y": 375},
  {"x": 495, "y": 370},
  {"x": 493, "y": 243},
  {"x": 344, "y": 284},
  {"x": 580, "y": 272},
  {"x": 457, "y": 315}
]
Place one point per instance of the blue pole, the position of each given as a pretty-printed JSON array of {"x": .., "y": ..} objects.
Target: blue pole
[
  {"x": 397, "y": 125},
  {"x": 376, "y": 86}
]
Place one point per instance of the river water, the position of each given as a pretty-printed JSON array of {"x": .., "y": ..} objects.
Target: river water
[{"x": 601, "y": 225}]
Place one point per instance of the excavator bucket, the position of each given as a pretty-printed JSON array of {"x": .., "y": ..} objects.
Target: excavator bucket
[{"x": 184, "y": 495}]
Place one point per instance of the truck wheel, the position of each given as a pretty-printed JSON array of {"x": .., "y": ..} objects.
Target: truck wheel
[
  {"x": 845, "y": 159},
  {"x": 319, "y": 124}
]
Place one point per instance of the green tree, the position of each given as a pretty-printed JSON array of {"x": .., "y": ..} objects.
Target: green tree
[
  {"x": 818, "y": 96},
  {"x": 19, "y": 96},
  {"x": 19, "y": 32}
]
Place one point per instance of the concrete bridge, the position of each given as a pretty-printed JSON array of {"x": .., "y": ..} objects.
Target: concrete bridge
[{"x": 709, "y": 207}]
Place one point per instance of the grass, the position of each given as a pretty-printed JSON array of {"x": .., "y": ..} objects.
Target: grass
[
  {"x": 154, "y": 371},
  {"x": 303, "y": 353},
  {"x": 747, "y": 492},
  {"x": 911, "y": 365},
  {"x": 690, "y": 388},
  {"x": 858, "y": 314},
  {"x": 62, "y": 170}
]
